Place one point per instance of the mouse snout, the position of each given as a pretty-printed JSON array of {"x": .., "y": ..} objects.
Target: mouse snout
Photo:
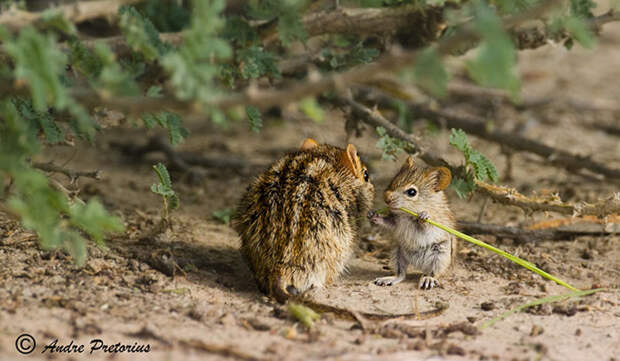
[{"x": 389, "y": 198}]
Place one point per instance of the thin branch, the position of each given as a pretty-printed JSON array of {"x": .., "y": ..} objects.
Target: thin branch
[
  {"x": 14, "y": 19},
  {"x": 535, "y": 37},
  {"x": 499, "y": 194},
  {"x": 478, "y": 126},
  {"x": 524, "y": 235},
  {"x": 264, "y": 99},
  {"x": 423, "y": 22},
  {"x": 375, "y": 119},
  {"x": 120, "y": 48},
  {"x": 510, "y": 196},
  {"x": 73, "y": 175}
]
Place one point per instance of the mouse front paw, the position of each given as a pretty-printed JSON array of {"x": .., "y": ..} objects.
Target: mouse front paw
[
  {"x": 374, "y": 217},
  {"x": 427, "y": 283},
  {"x": 387, "y": 281},
  {"x": 423, "y": 217}
]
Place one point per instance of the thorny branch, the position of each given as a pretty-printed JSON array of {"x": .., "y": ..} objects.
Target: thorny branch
[
  {"x": 535, "y": 37},
  {"x": 510, "y": 196},
  {"x": 478, "y": 126},
  {"x": 14, "y": 19},
  {"x": 499, "y": 194},
  {"x": 73, "y": 175},
  {"x": 264, "y": 99},
  {"x": 426, "y": 21}
]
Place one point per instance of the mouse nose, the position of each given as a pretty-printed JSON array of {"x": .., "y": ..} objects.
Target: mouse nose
[{"x": 387, "y": 196}]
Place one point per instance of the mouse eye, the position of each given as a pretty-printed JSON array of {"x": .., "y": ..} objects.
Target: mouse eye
[
  {"x": 411, "y": 192},
  {"x": 365, "y": 175}
]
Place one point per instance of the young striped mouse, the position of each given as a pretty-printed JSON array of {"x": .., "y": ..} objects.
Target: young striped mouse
[{"x": 425, "y": 247}]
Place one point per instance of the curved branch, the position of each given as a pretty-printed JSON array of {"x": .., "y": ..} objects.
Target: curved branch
[
  {"x": 478, "y": 126},
  {"x": 264, "y": 99},
  {"x": 426, "y": 21},
  {"x": 504, "y": 195},
  {"x": 14, "y": 19},
  {"x": 73, "y": 175},
  {"x": 535, "y": 37},
  {"x": 510, "y": 196}
]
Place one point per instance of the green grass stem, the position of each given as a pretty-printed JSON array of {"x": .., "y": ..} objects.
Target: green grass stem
[{"x": 514, "y": 259}]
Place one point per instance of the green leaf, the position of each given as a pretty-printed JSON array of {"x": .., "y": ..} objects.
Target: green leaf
[
  {"x": 580, "y": 31},
  {"x": 480, "y": 165},
  {"x": 140, "y": 34},
  {"x": 193, "y": 67},
  {"x": 176, "y": 132},
  {"x": 224, "y": 215},
  {"x": 255, "y": 62},
  {"x": 170, "y": 121},
  {"x": 154, "y": 91},
  {"x": 167, "y": 16},
  {"x": 164, "y": 188},
  {"x": 489, "y": 168},
  {"x": 83, "y": 60},
  {"x": 430, "y": 73},
  {"x": 495, "y": 64},
  {"x": 254, "y": 118},
  {"x": 112, "y": 77},
  {"x": 358, "y": 54},
  {"x": 312, "y": 109},
  {"x": 173, "y": 202},
  {"x": 458, "y": 139},
  {"x": 93, "y": 219},
  {"x": 461, "y": 187},
  {"x": 514, "y": 6},
  {"x": 582, "y": 8},
  {"x": 162, "y": 173},
  {"x": 239, "y": 31},
  {"x": 290, "y": 27},
  {"x": 42, "y": 77},
  {"x": 54, "y": 18},
  {"x": 76, "y": 246},
  {"x": 391, "y": 147}
]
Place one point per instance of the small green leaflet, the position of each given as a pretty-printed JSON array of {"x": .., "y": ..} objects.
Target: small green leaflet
[
  {"x": 170, "y": 121},
  {"x": 495, "y": 64},
  {"x": 224, "y": 215},
  {"x": 480, "y": 167},
  {"x": 390, "y": 146},
  {"x": 164, "y": 188},
  {"x": 312, "y": 109},
  {"x": 254, "y": 118},
  {"x": 430, "y": 73}
]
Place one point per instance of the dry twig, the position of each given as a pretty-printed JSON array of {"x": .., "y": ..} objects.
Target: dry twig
[
  {"x": 14, "y": 19},
  {"x": 73, "y": 175},
  {"x": 510, "y": 196},
  {"x": 264, "y": 99},
  {"x": 478, "y": 126},
  {"x": 499, "y": 194}
]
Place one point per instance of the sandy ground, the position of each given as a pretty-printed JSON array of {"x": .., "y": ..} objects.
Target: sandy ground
[{"x": 211, "y": 309}]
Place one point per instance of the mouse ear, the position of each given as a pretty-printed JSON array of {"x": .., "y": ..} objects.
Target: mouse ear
[
  {"x": 351, "y": 160},
  {"x": 409, "y": 162},
  {"x": 441, "y": 177},
  {"x": 309, "y": 143}
]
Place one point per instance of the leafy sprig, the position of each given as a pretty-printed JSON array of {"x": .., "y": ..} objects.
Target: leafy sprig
[
  {"x": 164, "y": 189},
  {"x": 477, "y": 166}
]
